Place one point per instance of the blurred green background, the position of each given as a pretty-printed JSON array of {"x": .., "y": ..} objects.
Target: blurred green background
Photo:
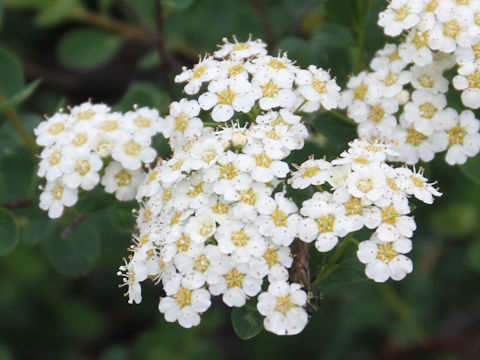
[{"x": 59, "y": 297}]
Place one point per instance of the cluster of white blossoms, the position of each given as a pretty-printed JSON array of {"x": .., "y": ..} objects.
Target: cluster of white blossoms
[
  {"x": 403, "y": 99},
  {"x": 77, "y": 145},
  {"x": 214, "y": 220},
  {"x": 365, "y": 191}
]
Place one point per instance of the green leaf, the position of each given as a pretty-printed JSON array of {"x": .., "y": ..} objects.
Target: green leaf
[
  {"x": 149, "y": 60},
  {"x": 11, "y": 75},
  {"x": 60, "y": 11},
  {"x": 472, "y": 169},
  {"x": 87, "y": 48},
  {"x": 177, "y": 4},
  {"x": 94, "y": 200},
  {"x": 75, "y": 253},
  {"x": 298, "y": 50},
  {"x": 347, "y": 272},
  {"x": 246, "y": 320},
  {"x": 8, "y": 231},
  {"x": 105, "y": 5},
  {"x": 142, "y": 94},
  {"x": 455, "y": 220},
  {"x": 21, "y": 95},
  {"x": 332, "y": 36},
  {"x": 1, "y": 12},
  {"x": 121, "y": 216},
  {"x": 473, "y": 255}
]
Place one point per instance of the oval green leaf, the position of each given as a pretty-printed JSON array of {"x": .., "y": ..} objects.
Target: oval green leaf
[
  {"x": 87, "y": 48},
  {"x": 472, "y": 169},
  {"x": 21, "y": 95},
  {"x": 246, "y": 320},
  {"x": 75, "y": 253},
  {"x": 8, "y": 231},
  {"x": 11, "y": 75}
]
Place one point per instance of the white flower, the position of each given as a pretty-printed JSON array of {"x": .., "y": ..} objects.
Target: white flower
[
  {"x": 400, "y": 15},
  {"x": 89, "y": 111},
  {"x": 283, "y": 308},
  {"x": 52, "y": 163},
  {"x": 200, "y": 227},
  {"x": 144, "y": 120},
  {"x": 317, "y": 88},
  {"x": 241, "y": 50},
  {"x": 385, "y": 260},
  {"x": 204, "y": 152},
  {"x": 82, "y": 171},
  {"x": 414, "y": 183},
  {"x": 261, "y": 165},
  {"x": 206, "y": 70},
  {"x": 368, "y": 182},
  {"x": 468, "y": 80},
  {"x": 182, "y": 124},
  {"x": 416, "y": 49},
  {"x": 311, "y": 172},
  {"x": 133, "y": 150},
  {"x": 123, "y": 182},
  {"x": 55, "y": 197},
  {"x": 274, "y": 91},
  {"x": 252, "y": 201},
  {"x": 134, "y": 291},
  {"x": 429, "y": 77},
  {"x": 54, "y": 129},
  {"x": 394, "y": 223},
  {"x": 464, "y": 138},
  {"x": 184, "y": 305}
]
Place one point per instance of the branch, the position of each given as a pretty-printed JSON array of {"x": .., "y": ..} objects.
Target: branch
[
  {"x": 272, "y": 39},
  {"x": 12, "y": 205},
  {"x": 300, "y": 270},
  {"x": 298, "y": 24},
  {"x": 73, "y": 225}
]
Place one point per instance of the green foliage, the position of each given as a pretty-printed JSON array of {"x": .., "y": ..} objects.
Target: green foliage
[
  {"x": 472, "y": 169},
  {"x": 246, "y": 320},
  {"x": 8, "y": 232},
  {"x": 11, "y": 75},
  {"x": 86, "y": 48}
]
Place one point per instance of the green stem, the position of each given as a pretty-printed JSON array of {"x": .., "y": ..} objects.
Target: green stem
[
  {"x": 402, "y": 311},
  {"x": 211, "y": 123},
  {"x": 297, "y": 110},
  {"x": 332, "y": 263},
  {"x": 17, "y": 124},
  {"x": 343, "y": 117}
]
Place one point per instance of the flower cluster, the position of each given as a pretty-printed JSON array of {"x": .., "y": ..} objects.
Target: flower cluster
[
  {"x": 214, "y": 220},
  {"x": 76, "y": 145},
  {"x": 365, "y": 192},
  {"x": 403, "y": 99}
]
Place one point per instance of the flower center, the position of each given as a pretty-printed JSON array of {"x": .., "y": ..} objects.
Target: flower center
[
  {"x": 123, "y": 178},
  {"x": 228, "y": 171},
  {"x": 167, "y": 195},
  {"x": 389, "y": 215},
  {"x": 476, "y": 19},
  {"x": 385, "y": 252},
  {"x": 80, "y": 139},
  {"x": 283, "y": 304},
  {"x": 132, "y": 148},
  {"x": 418, "y": 182},
  {"x": 415, "y": 137},
  {"x": 365, "y": 185},
  {"x": 319, "y": 86},
  {"x": 391, "y": 79},
  {"x": 198, "y": 71},
  {"x": 183, "y": 297},
  {"x": 109, "y": 125},
  {"x": 474, "y": 80},
  {"x": 195, "y": 190},
  {"x": 279, "y": 218},
  {"x": 239, "y": 238},
  {"x": 220, "y": 208},
  {"x": 325, "y": 223},
  {"x": 56, "y": 128},
  {"x": 85, "y": 115},
  {"x": 391, "y": 183},
  {"x": 420, "y": 40},
  {"x": 55, "y": 158},
  {"x": 248, "y": 197},
  {"x": 377, "y": 113},
  {"x": 152, "y": 176},
  {"x": 354, "y": 206},
  {"x": 234, "y": 278},
  {"x": 456, "y": 135},
  {"x": 276, "y": 64},
  {"x": 175, "y": 218},
  {"x": 271, "y": 256},
  {"x": 311, "y": 171},
  {"x": 451, "y": 29},
  {"x": 57, "y": 192},
  {"x": 183, "y": 243},
  {"x": 431, "y": 6},
  {"x": 462, "y": 2},
  {"x": 360, "y": 91},
  {"x": 476, "y": 47},
  {"x": 142, "y": 122},
  {"x": 82, "y": 167},
  {"x": 241, "y": 46},
  {"x": 236, "y": 69},
  {"x": 208, "y": 155},
  {"x": 201, "y": 263},
  {"x": 426, "y": 81},
  {"x": 177, "y": 165},
  {"x": 206, "y": 228},
  {"x": 394, "y": 56},
  {"x": 263, "y": 160},
  {"x": 181, "y": 122},
  {"x": 401, "y": 14},
  {"x": 147, "y": 216},
  {"x": 427, "y": 110},
  {"x": 270, "y": 90},
  {"x": 226, "y": 97}
]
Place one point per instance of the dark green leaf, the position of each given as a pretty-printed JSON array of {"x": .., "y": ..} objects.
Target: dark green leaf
[
  {"x": 1, "y": 12},
  {"x": 298, "y": 50},
  {"x": 177, "y": 4},
  {"x": 473, "y": 255},
  {"x": 87, "y": 48},
  {"x": 142, "y": 94},
  {"x": 74, "y": 254},
  {"x": 246, "y": 320},
  {"x": 94, "y": 200},
  {"x": 20, "y": 96},
  {"x": 59, "y": 11},
  {"x": 121, "y": 216},
  {"x": 332, "y": 36},
  {"x": 8, "y": 231},
  {"x": 472, "y": 169},
  {"x": 456, "y": 220},
  {"x": 11, "y": 76}
]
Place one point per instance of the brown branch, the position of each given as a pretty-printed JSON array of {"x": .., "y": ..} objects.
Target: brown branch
[
  {"x": 73, "y": 225},
  {"x": 272, "y": 38},
  {"x": 298, "y": 24},
  {"x": 165, "y": 59},
  {"x": 17, "y": 204}
]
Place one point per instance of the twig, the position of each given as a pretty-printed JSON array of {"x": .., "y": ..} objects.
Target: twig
[
  {"x": 73, "y": 225},
  {"x": 12, "y": 205},
  {"x": 272, "y": 39},
  {"x": 300, "y": 271},
  {"x": 160, "y": 42},
  {"x": 298, "y": 24},
  {"x": 332, "y": 263}
]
